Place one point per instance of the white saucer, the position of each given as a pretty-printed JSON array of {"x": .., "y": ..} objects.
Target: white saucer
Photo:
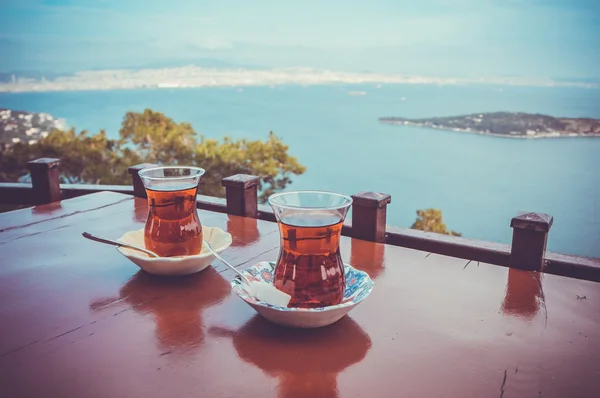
[
  {"x": 358, "y": 286},
  {"x": 180, "y": 265}
]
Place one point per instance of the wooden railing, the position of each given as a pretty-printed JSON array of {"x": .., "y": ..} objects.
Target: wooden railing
[{"x": 527, "y": 251}]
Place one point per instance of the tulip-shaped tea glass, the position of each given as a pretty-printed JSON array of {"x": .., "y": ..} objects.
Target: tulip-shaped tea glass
[
  {"x": 172, "y": 227},
  {"x": 309, "y": 267}
]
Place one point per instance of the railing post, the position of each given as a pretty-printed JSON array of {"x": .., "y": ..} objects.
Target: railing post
[
  {"x": 45, "y": 180},
  {"x": 368, "y": 215},
  {"x": 530, "y": 233},
  {"x": 138, "y": 185},
  {"x": 241, "y": 192}
]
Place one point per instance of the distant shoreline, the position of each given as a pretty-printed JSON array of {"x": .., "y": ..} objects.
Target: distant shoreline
[
  {"x": 508, "y": 125},
  {"x": 195, "y": 77}
]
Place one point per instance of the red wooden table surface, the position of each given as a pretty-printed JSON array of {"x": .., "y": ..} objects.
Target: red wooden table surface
[{"x": 77, "y": 319}]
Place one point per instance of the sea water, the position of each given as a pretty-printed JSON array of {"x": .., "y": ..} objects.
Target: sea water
[{"x": 479, "y": 182}]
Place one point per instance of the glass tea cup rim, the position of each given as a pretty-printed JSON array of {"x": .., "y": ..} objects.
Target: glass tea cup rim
[
  {"x": 274, "y": 196},
  {"x": 142, "y": 173}
]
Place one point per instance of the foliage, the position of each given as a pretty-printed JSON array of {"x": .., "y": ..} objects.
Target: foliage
[
  {"x": 430, "y": 220},
  {"x": 84, "y": 158},
  {"x": 151, "y": 137}
]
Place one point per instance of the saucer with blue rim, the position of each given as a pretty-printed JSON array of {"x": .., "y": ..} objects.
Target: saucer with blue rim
[{"x": 358, "y": 286}]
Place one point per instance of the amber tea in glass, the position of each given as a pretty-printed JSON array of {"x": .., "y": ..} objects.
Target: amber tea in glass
[
  {"x": 172, "y": 227},
  {"x": 309, "y": 267}
]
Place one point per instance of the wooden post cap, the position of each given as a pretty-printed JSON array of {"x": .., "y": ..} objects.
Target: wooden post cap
[
  {"x": 369, "y": 211},
  {"x": 530, "y": 235},
  {"x": 45, "y": 180},
  {"x": 240, "y": 181},
  {"x": 373, "y": 200},
  {"x": 136, "y": 168},
  {"x": 138, "y": 186},
  {"x": 241, "y": 193},
  {"x": 532, "y": 221},
  {"x": 42, "y": 164}
]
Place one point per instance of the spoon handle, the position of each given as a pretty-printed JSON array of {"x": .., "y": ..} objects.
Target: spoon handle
[
  {"x": 225, "y": 262},
  {"x": 117, "y": 243}
]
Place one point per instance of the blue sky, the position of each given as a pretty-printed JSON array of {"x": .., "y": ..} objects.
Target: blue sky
[{"x": 545, "y": 38}]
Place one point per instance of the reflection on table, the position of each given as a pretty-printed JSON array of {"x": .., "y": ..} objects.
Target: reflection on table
[
  {"x": 176, "y": 304},
  {"x": 306, "y": 361},
  {"x": 367, "y": 256},
  {"x": 524, "y": 294}
]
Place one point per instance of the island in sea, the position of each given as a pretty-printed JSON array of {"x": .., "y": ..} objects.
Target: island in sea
[{"x": 508, "y": 124}]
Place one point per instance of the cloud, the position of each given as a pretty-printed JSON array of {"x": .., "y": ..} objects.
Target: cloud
[
  {"x": 438, "y": 35},
  {"x": 571, "y": 5},
  {"x": 215, "y": 44}
]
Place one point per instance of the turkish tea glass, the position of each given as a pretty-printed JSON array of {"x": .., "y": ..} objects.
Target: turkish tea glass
[
  {"x": 309, "y": 267},
  {"x": 172, "y": 227}
]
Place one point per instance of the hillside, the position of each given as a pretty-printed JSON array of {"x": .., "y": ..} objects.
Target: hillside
[
  {"x": 507, "y": 124},
  {"x": 19, "y": 126}
]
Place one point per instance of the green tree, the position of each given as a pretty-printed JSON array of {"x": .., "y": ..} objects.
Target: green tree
[
  {"x": 85, "y": 158},
  {"x": 430, "y": 220},
  {"x": 152, "y": 137},
  {"x": 158, "y": 139}
]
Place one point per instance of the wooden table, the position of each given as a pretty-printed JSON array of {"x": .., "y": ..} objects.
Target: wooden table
[{"x": 77, "y": 319}]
